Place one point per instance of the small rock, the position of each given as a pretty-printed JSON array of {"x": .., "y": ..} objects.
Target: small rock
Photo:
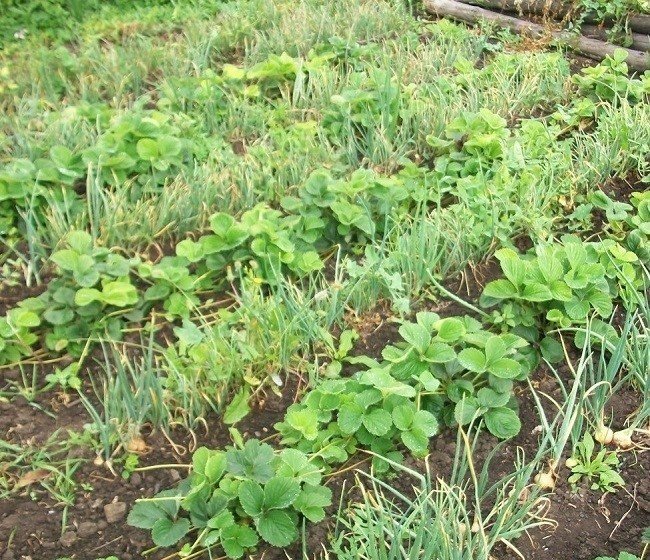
[
  {"x": 136, "y": 479},
  {"x": 114, "y": 511},
  {"x": 8, "y": 555},
  {"x": 68, "y": 539},
  {"x": 86, "y": 529},
  {"x": 176, "y": 476},
  {"x": 101, "y": 525}
]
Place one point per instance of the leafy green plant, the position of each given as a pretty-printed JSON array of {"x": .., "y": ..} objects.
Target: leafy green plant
[
  {"x": 16, "y": 333},
  {"x": 472, "y": 143},
  {"x": 270, "y": 241},
  {"x": 614, "y": 12},
  {"x": 629, "y": 224},
  {"x": 93, "y": 287},
  {"x": 443, "y": 365},
  {"x": 561, "y": 285},
  {"x": 236, "y": 497},
  {"x": 173, "y": 283},
  {"x": 140, "y": 144},
  {"x": 599, "y": 469},
  {"x": 609, "y": 81},
  {"x": 26, "y": 186}
]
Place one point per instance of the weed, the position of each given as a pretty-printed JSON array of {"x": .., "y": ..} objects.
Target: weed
[{"x": 598, "y": 469}]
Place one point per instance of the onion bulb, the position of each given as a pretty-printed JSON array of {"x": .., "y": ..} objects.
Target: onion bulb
[
  {"x": 545, "y": 480},
  {"x": 604, "y": 435},
  {"x": 136, "y": 445},
  {"x": 623, "y": 439}
]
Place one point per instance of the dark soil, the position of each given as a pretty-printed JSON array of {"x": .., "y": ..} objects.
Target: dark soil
[
  {"x": 88, "y": 535},
  {"x": 588, "y": 524},
  {"x": 621, "y": 188},
  {"x": 11, "y": 295}
]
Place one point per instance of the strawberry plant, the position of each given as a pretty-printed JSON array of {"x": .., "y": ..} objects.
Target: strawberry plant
[
  {"x": 629, "y": 224},
  {"x": 25, "y": 184},
  {"x": 140, "y": 144},
  {"x": 234, "y": 498},
  {"x": 559, "y": 284},
  {"x": 609, "y": 81},
  {"x": 472, "y": 143},
  {"x": 356, "y": 208},
  {"x": 275, "y": 74},
  {"x": 17, "y": 333},
  {"x": 263, "y": 235},
  {"x": 93, "y": 285},
  {"x": 443, "y": 366},
  {"x": 173, "y": 284}
]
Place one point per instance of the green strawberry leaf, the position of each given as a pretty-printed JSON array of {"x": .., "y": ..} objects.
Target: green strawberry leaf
[
  {"x": 416, "y": 335},
  {"x": 403, "y": 416},
  {"x": 251, "y": 497},
  {"x": 450, "y": 329},
  {"x": 472, "y": 359},
  {"x": 277, "y": 528},
  {"x": 236, "y": 539},
  {"x": 144, "y": 515},
  {"x": 426, "y": 423},
  {"x": 312, "y": 501},
  {"x": 378, "y": 422},
  {"x": 502, "y": 422},
  {"x": 280, "y": 492},
  {"x": 415, "y": 441},
  {"x": 466, "y": 410},
  {"x": 505, "y": 368},
  {"x": 350, "y": 418},
  {"x": 166, "y": 532},
  {"x": 500, "y": 289}
]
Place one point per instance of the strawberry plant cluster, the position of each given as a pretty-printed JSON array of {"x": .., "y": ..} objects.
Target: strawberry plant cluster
[
  {"x": 235, "y": 498},
  {"x": 562, "y": 285}
]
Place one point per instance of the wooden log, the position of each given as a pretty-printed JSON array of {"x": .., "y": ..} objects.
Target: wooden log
[
  {"x": 592, "y": 48},
  {"x": 557, "y": 9},
  {"x": 640, "y": 42}
]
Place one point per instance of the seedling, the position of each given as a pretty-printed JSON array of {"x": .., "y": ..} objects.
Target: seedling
[{"x": 599, "y": 469}]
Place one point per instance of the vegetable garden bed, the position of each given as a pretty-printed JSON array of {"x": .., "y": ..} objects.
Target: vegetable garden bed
[{"x": 321, "y": 280}]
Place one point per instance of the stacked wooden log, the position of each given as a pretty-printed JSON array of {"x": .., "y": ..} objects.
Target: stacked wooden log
[{"x": 591, "y": 41}]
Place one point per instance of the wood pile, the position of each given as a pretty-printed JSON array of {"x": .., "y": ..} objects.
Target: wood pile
[{"x": 592, "y": 41}]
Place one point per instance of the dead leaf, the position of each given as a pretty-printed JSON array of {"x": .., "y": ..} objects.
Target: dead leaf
[{"x": 31, "y": 477}]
